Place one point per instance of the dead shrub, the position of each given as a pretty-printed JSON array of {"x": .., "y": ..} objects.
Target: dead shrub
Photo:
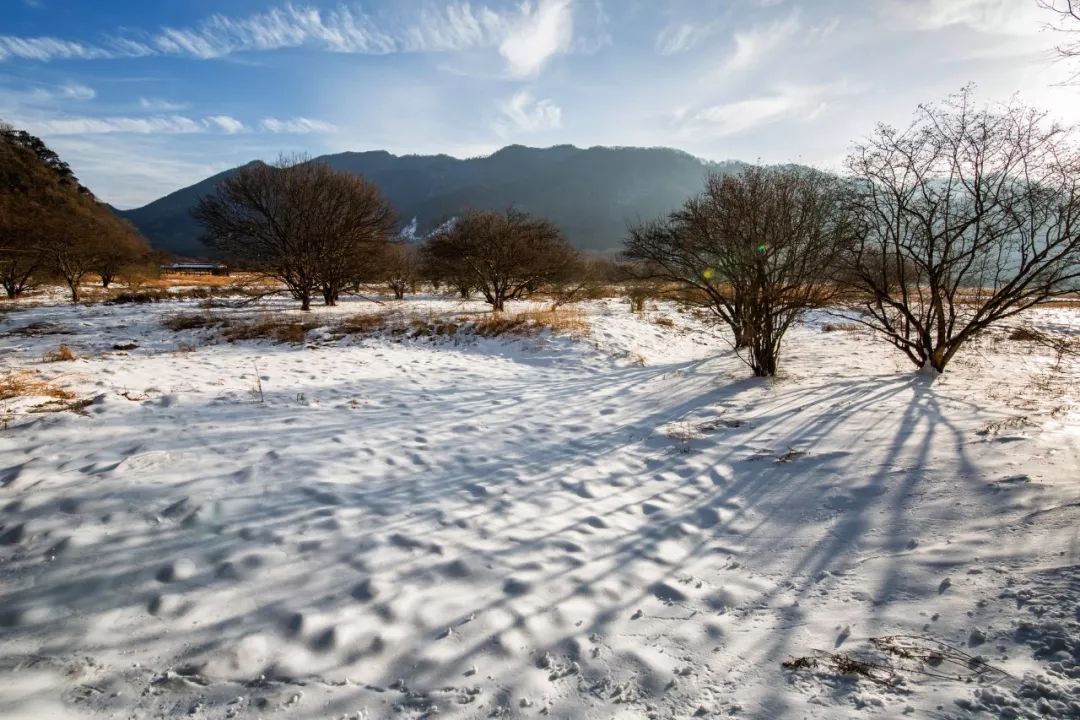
[
  {"x": 664, "y": 321},
  {"x": 61, "y": 354}
]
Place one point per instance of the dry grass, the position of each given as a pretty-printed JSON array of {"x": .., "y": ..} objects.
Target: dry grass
[
  {"x": 26, "y": 383},
  {"x": 63, "y": 353},
  {"x": 562, "y": 321},
  {"x": 171, "y": 280},
  {"x": 277, "y": 328},
  {"x": 191, "y": 321},
  {"x": 842, "y": 327},
  {"x": 1028, "y": 334},
  {"x": 362, "y": 324}
]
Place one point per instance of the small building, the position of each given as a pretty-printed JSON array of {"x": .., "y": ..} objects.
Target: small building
[{"x": 196, "y": 269}]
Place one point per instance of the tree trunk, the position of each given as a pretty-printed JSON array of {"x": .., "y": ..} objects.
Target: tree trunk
[
  {"x": 305, "y": 301},
  {"x": 497, "y": 304},
  {"x": 106, "y": 280},
  {"x": 73, "y": 285},
  {"x": 464, "y": 291}
]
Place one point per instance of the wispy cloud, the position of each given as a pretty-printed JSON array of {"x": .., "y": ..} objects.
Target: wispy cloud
[
  {"x": 681, "y": 37},
  {"x": 524, "y": 114},
  {"x": 48, "y": 48},
  {"x": 801, "y": 103},
  {"x": 169, "y": 124},
  {"x": 997, "y": 17},
  {"x": 299, "y": 126},
  {"x": 69, "y": 91},
  {"x": 527, "y": 35},
  {"x": 159, "y": 105},
  {"x": 756, "y": 43}
]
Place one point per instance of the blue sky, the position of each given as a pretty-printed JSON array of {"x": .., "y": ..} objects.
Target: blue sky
[{"x": 143, "y": 98}]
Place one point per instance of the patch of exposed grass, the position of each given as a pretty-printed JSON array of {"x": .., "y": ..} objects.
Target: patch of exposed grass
[{"x": 26, "y": 383}]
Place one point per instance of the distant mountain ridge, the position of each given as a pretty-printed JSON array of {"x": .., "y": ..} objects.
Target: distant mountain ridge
[{"x": 591, "y": 193}]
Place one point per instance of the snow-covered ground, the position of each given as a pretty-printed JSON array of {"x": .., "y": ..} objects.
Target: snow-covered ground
[{"x": 622, "y": 525}]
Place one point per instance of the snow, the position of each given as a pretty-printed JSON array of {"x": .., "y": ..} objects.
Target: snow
[{"x": 621, "y": 525}]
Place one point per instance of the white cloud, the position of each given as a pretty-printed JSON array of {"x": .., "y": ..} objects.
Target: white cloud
[
  {"x": 225, "y": 123},
  {"x": 300, "y": 125},
  {"x": 542, "y": 31},
  {"x": 527, "y": 36},
  {"x": 522, "y": 113},
  {"x": 754, "y": 44}
]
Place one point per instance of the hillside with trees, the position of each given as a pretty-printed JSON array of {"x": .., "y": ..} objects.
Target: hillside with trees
[
  {"x": 51, "y": 226},
  {"x": 591, "y": 194}
]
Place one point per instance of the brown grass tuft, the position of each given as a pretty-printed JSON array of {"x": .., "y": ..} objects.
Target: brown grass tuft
[
  {"x": 25, "y": 383},
  {"x": 61, "y": 354}
]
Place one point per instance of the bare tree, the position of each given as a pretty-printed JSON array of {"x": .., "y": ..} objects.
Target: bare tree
[
  {"x": 401, "y": 267},
  {"x": 124, "y": 249},
  {"x": 969, "y": 215},
  {"x": 506, "y": 256},
  {"x": 303, "y": 223},
  {"x": 754, "y": 249},
  {"x": 1067, "y": 22}
]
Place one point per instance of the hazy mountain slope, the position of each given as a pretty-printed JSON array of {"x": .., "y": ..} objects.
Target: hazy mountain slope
[{"x": 591, "y": 193}]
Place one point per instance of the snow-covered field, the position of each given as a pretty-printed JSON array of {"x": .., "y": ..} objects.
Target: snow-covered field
[{"x": 622, "y": 525}]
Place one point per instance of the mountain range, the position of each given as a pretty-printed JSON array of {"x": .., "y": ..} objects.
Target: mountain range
[{"x": 592, "y": 194}]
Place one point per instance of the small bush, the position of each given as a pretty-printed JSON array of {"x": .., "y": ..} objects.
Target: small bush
[
  {"x": 663, "y": 321},
  {"x": 60, "y": 354}
]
